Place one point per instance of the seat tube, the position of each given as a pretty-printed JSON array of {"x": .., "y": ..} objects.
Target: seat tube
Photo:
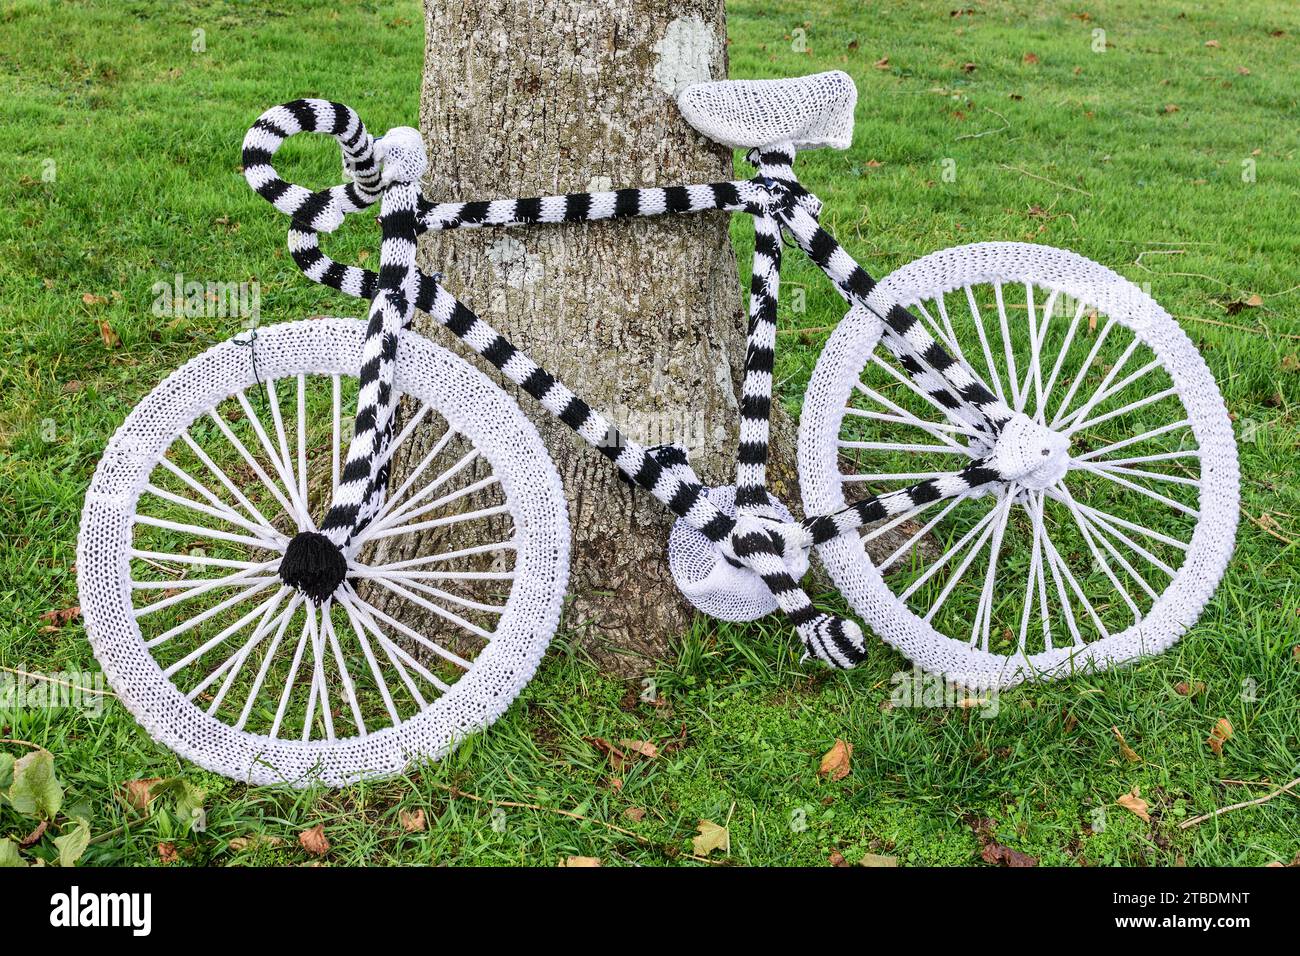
[{"x": 756, "y": 386}]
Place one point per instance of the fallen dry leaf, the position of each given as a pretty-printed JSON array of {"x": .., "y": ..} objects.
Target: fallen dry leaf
[
  {"x": 968, "y": 67},
  {"x": 635, "y": 814},
  {"x": 1030, "y": 58},
  {"x": 1212, "y": 44},
  {"x": 617, "y": 758},
  {"x": 1254, "y": 300},
  {"x": 1129, "y": 753},
  {"x": 994, "y": 852},
  {"x": 1185, "y": 689},
  {"x": 139, "y": 793},
  {"x": 89, "y": 298},
  {"x": 57, "y": 618},
  {"x": 1171, "y": 107},
  {"x": 645, "y": 748},
  {"x": 35, "y": 835},
  {"x": 314, "y": 841},
  {"x": 111, "y": 339},
  {"x": 580, "y": 861},
  {"x": 837, "y": 859},
  {"x": 836, "y": 762},
  {"x": 875, "y": 859},
  {"x": 882, "y": 63},
  {"x": 1219, "y": 735},
  {"x": 167, "y": 852},
  {"x": 1244, "y": 70},
  {"x": 1135, "y": 804},
  {"x": 412, "y": 821},
  {"x": 712, "y": 837}
]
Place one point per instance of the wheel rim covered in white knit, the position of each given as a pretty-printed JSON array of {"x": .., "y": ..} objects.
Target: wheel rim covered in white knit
[
  {"x": 1111, "y": 560},
  {"x": 417, "y": 649}
]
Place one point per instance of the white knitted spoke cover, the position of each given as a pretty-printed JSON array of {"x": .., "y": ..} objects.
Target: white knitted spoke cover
[
  {"x": 709, "y": 582},
  {"x": 454, "y": 587},
  {"x": 806, "y": 112},
  {"x": 1107, "y": 552}
]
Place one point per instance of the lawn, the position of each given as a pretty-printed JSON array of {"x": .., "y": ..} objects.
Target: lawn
[{"x": 1159, "y": 139}]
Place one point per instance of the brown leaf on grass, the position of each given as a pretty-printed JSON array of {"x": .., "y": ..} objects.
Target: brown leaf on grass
[
  {"x": 882, "y": 63},
  {"x": 167, "y": 852},
  {"x": 635, "y": 814},
  {"x": 1171, "y": 108},
  {"x": 645, "y": 748},
  {"x": 837, "y": 762},
  {"x": 969, "y": 67},
  {"x": 35, "y": 835},
  {"x": 1029, "y": 59},
  {"x": 1213, "y": 44},
  {"x": 1219, "y": 735},
  {"x": 1244, "y": 70},
  {"x": 991, "y": 851},
  {"x": 89, "y": 298},
  {"x": 412, "y": 821},
  {"x": 1071, "y": 722},
  {"x": 1295, "y": 652},
  {"x": 109, "y": 337},
  {"x": 1186, "y": 689},
  {"x": 1254, "y": 300},
  {"x": 875, "y": 859},
  {"x": 139, "y": 793},
  {"x": 1129, "y": 753},
  {"x": 59, "y": 617},
  {"x": 617, "y": 759},
  {"x": 314, "y": 840},
  {"x": 712, "y": 837},
  {"x": 1135, "y": 804},
  {"x": 580, "y": 861},
  {"x": 837, "y": 859}
]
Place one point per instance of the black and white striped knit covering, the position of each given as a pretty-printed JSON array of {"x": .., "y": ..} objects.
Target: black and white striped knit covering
[{"x": 754, "y": 538}]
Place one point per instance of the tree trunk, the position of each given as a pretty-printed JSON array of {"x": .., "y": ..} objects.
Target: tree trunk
[{"x": 642, "y": 318}]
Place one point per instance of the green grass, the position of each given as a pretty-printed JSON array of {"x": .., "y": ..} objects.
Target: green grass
[{"x": 141, "y": 135}]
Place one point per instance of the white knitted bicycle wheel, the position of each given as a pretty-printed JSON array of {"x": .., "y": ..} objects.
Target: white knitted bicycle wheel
[
  {"x": 453, "y": 592},
  {"x": 1112, "y": 558}
]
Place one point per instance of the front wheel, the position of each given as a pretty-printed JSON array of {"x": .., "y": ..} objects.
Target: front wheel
[
  {"x": 454, "y": 588},
  {"x": 1111, "y": 556}
]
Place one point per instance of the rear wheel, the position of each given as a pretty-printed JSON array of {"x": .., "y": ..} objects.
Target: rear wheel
[
  {"x": 1110, "y": 559},
  {"x": 199, "y": 493}
]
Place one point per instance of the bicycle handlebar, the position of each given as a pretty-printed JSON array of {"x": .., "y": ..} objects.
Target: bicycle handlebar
[{"x": 323, "y": 209}]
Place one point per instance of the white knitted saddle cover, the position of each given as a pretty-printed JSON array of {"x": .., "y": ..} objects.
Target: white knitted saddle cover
[
  {"x": 716, "y": 587},
  {"x": 807, "y": 112}
]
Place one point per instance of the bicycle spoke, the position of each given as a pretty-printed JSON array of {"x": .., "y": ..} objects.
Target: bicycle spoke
[
  {"x": 984, "y": 344},
  {"x": 267, "y": 658},
  {"x": 349, "y": 689}
]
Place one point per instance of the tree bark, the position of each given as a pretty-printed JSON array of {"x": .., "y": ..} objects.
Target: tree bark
[{"x": 642, "y": 318}]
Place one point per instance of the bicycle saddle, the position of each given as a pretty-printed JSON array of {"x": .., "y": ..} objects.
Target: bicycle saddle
[{"x": 808, "y": 112}]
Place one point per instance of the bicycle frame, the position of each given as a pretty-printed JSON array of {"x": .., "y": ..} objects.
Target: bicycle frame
[
  {"x": 776, "y": 201},
  {"x": 755, "y": 538}
]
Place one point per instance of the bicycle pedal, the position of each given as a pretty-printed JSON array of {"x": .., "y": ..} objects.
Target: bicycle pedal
[{"x": 710, "y": 582}]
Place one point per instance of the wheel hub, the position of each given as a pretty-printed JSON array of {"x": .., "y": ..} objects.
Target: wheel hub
[{"x": 1031, "y": 454}]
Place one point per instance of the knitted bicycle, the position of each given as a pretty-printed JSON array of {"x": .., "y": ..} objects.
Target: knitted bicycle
[{"x": 1072, "y": 450}]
